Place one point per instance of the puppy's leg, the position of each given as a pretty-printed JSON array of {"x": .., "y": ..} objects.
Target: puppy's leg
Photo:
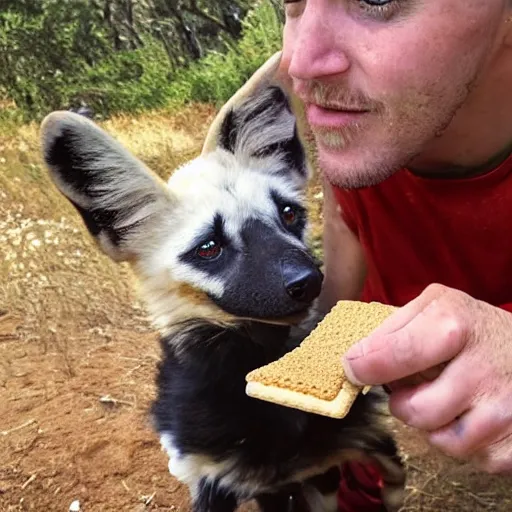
[{"x": 209, "y": 497}]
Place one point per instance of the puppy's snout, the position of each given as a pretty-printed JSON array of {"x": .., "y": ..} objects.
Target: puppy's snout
[
  {"x": 301, "y": 278},
  {"x": 304, "y": 287}
]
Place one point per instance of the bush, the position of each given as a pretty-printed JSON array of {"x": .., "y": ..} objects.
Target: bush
[
  {"x": 139, "y": 80},
  {"x": 216, "y": 77},
  {"x": 128, "y": 81},
  {"x": 39, "y": 62}
]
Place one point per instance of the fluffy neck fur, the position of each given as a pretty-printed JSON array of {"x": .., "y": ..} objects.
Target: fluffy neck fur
[{"x": 193, "y": 338}]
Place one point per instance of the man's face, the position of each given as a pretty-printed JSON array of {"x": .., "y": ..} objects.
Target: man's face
[{"x": 383, "y": 78}]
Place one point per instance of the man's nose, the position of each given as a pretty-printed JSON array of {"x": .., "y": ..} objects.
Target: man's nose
[{"x": 314, "y": 45}]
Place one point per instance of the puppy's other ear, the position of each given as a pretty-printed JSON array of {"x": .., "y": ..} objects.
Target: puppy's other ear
[
  {"x": 265, "y": 126},
  {"x": 116, "y": 195},
  {"x": 260, "y": 120}
]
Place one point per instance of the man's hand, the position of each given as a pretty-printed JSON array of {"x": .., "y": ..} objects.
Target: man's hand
[{"x": 447, "y": 359}]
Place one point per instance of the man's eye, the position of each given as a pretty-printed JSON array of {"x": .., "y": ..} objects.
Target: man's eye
[
  {"x": 294, "y": 8},
  {"x": 379, "y": 8}
]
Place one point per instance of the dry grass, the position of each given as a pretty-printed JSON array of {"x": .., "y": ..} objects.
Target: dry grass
[{"x": 163, "y": 141}]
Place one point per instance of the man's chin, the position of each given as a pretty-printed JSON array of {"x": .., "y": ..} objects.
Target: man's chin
[{"x": 350, "y": 168}]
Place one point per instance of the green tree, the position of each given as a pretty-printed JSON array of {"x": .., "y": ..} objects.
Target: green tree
[{"x": 125, "y": 54}]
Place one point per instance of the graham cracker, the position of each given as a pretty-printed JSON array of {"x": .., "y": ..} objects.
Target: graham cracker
[{"x": 311, "y": 377}]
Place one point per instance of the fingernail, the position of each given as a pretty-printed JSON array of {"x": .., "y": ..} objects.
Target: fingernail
[{"x": 350, "y": 374}]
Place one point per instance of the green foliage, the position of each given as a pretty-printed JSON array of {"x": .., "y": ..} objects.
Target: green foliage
[
  {"x": 128, "y": 81},
  {"x": 38, "y": 61},
  {"x": 57, "y": 54},
  {"x": 11, "y": 118},
  {"x": 216, "y": 77}
]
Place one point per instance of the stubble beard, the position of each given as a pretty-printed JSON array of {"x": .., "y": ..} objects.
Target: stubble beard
[{"x": 405, "y": 145}]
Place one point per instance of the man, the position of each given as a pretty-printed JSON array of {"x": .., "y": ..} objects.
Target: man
[{"x": 410, "y": 102}]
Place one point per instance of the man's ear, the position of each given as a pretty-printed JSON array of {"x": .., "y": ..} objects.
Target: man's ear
[{"x": 116, "y": 195}]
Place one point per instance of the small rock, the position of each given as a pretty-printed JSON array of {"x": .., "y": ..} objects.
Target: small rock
[{"x": 75, "y": 506}]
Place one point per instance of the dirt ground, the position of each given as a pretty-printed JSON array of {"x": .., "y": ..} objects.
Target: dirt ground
[{"x": 77, "y": 357}]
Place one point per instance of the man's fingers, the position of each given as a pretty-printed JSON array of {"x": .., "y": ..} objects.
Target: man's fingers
[
  {"x": 417, "y": 379},
  {"x": 475, "y": 431},
  {"x": 402, "y": 316},
  {"x": 432, "y": 337},
  {"x": 435, "y": 404}
]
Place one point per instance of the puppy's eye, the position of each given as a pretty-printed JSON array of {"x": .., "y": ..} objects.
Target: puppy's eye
[
  {"x": 209, "y": 250},
  {"x": 289, "y": 215}
]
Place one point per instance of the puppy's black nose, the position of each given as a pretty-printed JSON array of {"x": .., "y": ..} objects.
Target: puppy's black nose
[{"x": 302, "y": 284}]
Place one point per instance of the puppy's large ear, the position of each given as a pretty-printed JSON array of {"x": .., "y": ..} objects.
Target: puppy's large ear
[
  {"x": 116, "y": 195},
  {"x": 259, "y": 120}
]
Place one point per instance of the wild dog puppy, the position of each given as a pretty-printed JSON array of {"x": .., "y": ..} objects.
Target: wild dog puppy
[{"x": 225, "y": 271}]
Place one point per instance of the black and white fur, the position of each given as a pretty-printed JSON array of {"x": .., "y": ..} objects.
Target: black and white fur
[{"x": 221, "y": 317}]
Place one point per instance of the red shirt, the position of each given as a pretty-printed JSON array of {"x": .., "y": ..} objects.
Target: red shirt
[{"x": 417, "y": 231}]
